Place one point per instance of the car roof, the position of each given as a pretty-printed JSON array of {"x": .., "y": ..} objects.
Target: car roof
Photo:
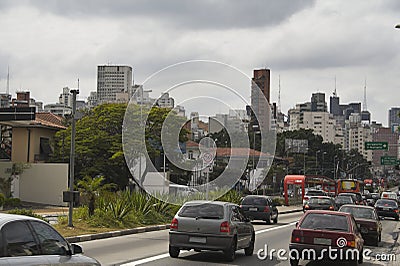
[
  {"x": 6, "y": 217},
  {"x": 320, "y": 197},
  {"x": 358, "y": 206},
  {"x": 257, "y": 196},
  {"x": 327, "y": 212},
  {"x": 199, "y": 202}
]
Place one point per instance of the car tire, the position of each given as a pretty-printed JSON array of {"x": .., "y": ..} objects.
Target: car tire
[
  {"x": 376, "y": 241},
  {"x": 361, "y": 257},
  {"x": 174, "y": 252},
  {"x": 397, "y": 218},
  {"x": 268, "y": 220},
  {"x": 276, "y": 219},
  {"x": 353, "y": 262},
  {"x": 230, "y": 253},
  {"x": 380, "y": 237},
  {"x": 294, "y": 262},
  {"x": 250, "y": 249}
]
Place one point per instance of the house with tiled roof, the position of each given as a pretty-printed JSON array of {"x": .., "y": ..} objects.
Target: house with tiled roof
[{"x": 30, "y": 139}]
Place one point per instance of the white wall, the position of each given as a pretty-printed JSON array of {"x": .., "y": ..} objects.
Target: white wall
[{"x": 40, "y": 182}]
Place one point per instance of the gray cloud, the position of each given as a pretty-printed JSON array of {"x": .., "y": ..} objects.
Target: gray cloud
[{"x": 197, "y": 14}]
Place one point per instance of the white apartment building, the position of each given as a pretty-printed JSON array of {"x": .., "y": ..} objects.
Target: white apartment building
[
  {"x": 322, "y": 123},
  {"x": 357, "y": 134},
  {"x": 165, "y": 101},
  {"x": 65, "y": 97},
  {"x": 113, "y": 79}
]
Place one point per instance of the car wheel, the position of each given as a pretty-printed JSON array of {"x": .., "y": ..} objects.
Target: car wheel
[
  {"x": 250, "y": 249},
  {"x": 361, "y": 257},
  {"x": 268, "y": 220},
  {"x": 294, "y": 262},
  {"x": 397, "y": 218},
  {"x": 276, "y": 219},
  {"x": 353, "y": 262},
  {"x": 230, "y": 253},
  {"x": 376, "y": 241},
  {"x": 174, "y": 252},
  {"x": 380, "y": 237}
]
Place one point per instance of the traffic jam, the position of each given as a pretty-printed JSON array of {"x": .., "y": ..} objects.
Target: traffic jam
[{"x": 335, "y": 225}]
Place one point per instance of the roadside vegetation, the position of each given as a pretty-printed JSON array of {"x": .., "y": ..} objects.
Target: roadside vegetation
[{"x": 124, "y": 210}]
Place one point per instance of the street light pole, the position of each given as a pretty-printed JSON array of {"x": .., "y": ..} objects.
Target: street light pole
[
  {"x": 323, "y": 160},
  {"x": 72, "y": 158}
]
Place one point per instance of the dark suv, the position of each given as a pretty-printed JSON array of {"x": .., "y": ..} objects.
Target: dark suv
[{"x": 257, "y": 207}]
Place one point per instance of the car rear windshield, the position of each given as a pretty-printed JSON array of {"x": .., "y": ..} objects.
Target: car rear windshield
[
  {"x": 389, "y": 203},
  {"x": 362, "y": 213},
  {"x": 321, "y": 221},
  {"x": 254, "y": 201},
  {"x": 315, "y": 193},
  {"x": 210, "y": 211},
  {"x": 344, "y": 200},
  {"x": 319, "y": 201}
]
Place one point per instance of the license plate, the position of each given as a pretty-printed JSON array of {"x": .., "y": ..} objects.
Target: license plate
[
  {"x": 253, "y": 209},
  {"x": 195, "y": 239},
  {"x": 386, "y": 209},
  {"x": 322, "y": 241}
]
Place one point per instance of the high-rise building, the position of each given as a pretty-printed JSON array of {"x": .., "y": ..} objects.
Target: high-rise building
[
  {"x": 111, "y": 80},
  {"x": 65, "y": 97},
  {"x": 260, "y": 90},
  {"x": 318, "y": 103},
  {"x": 394, "y": 119}
]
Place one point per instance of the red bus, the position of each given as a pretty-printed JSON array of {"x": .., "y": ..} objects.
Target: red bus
[{"x": 349, "y": 185}]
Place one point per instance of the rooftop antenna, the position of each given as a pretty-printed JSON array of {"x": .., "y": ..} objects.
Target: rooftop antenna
[
  {"x": 365, "y": 96},
  {"x": 8, "y": 81},
  {"x": 279, "y": 95},
  {"x": 334, "y": 92}
]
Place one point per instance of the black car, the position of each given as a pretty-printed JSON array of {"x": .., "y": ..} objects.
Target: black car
[
  {"x": 342, "y": 200},
  {"x": 387, "y": 208},
  {"x": 258, "y": 207},
  {"x": 320, "y": 203}
]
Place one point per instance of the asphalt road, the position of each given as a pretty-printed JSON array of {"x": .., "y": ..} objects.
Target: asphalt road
[{"x": 152, "y": 248}]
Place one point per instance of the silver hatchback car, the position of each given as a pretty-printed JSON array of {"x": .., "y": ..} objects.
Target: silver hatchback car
[
  {"x": 29, "y": 241},
  {"x": 216, "y": 226}
]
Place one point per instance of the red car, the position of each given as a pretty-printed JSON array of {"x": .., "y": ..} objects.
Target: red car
[{"x": 328, "y": 235}]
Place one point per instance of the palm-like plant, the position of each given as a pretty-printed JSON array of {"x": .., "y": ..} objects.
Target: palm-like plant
[{"x": 93, "y": 187}]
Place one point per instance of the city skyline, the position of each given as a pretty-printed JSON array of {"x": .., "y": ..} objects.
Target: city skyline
[{"x": 313, "y": 46}]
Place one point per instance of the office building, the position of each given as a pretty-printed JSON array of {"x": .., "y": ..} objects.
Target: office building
[{"x": 113, "y": 80}]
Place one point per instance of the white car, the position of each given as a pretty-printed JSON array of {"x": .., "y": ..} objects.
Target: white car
[{"x": 389, "y": 195}]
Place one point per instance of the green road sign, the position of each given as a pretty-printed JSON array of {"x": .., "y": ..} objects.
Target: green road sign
[
  {"x": 376, "y": 145},
  {"x": 389, "y": 160}
]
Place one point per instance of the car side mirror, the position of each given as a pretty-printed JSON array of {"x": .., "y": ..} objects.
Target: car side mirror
[
  {"x": 247, "y": 219},
  {"x": 76, "y": 249}
]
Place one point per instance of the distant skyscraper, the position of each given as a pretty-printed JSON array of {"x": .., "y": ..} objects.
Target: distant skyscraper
[
  {"x": 334, "y": 107},
  {"x": 318, "y": 103},
  {"x": 394, "y": 119},
  {"x": 111, "y": 80},
  {"x": 260, "y": 88}
]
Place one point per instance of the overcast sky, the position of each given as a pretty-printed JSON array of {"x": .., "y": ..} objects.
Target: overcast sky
[{"x": 50, "y": 44}]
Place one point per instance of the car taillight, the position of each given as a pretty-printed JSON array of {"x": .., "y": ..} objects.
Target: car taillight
[
  {"x": 305, "y": 198},
  {"x": 225, "y": 227},
  {"x": 296, "y": 238},
  {"x": 396, "y": 210},
  {"x": 306, "y": 207},
  {"x": 174, "y": 224},
  {"x": 351, "y": 244},
  {"x": 266, "y": 209},
  {"x": 331, "y": 208}
]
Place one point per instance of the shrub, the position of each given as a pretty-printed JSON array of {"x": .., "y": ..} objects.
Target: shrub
[
  {"x": 231, "y": 196},
  {"x": 278, "y": 201},
  {"x": 12, "y": 203},
  {"x": 2, "y": 199}
]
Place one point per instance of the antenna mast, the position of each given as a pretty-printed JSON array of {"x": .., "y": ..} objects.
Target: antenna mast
[
  {"x": 279, "y": 95},
  {"x": 365, "y": 96},
  {"x": 334, "y": 92},
  {"x": 8, "y": 80}
]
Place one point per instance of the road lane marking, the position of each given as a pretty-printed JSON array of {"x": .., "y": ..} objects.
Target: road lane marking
[{"x": 166, "y": 255}]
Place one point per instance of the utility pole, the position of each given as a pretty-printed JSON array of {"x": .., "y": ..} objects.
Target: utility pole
[{"x": 72, "y": 157}]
